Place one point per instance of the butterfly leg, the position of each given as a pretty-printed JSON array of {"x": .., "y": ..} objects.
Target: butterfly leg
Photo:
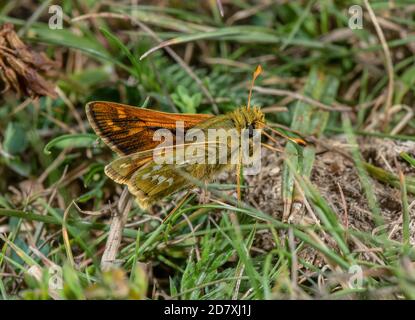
[
  {"x": 178, "y": 206},
  {"x": 238, "y": 176}
]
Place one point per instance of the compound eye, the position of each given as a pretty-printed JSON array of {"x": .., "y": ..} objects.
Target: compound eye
[{"x": 250, "y": 130}]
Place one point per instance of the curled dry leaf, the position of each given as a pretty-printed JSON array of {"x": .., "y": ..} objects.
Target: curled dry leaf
[{"x": 20, "y": 67}]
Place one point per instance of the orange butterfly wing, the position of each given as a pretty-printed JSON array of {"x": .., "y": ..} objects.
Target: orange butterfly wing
[{"x": 127, "y": 130}]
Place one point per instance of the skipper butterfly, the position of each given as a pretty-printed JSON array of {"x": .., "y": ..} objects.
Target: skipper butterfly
[{"x": 130, "y": 132}]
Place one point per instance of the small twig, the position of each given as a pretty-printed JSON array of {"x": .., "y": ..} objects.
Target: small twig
[
  {"x": 65, "y": 236},
  {"x": 21, "y": 107},
  {"x": 388, "y": 58},
  {"x": 55, "y": 164},
  {"x": 243, "y": 14},
  {"x": 405, "y": 119},
  {"x": 59, "y": 123},
  {"x": 192, "y": 230},
  {"x": 115, "y": 234},
  {"x": 272, "y": 148},
  {"x": 274, "y": 109},
  {"x": 298, "y": 96},
  {"x": 220, "y": 7},
  {"x": 70, "y": 105},
  {"x": 344, "y": 204},
  {"x": 104, "y": 209},
  {"x": 178, "y": 206}
]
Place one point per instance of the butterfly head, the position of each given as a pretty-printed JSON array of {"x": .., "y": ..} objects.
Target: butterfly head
[{"x": 248, "y": 118}]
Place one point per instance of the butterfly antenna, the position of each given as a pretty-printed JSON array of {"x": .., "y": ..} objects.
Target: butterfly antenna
[
  {"x": 298, "y": 141},
  {"x": 255, "y": 75}
]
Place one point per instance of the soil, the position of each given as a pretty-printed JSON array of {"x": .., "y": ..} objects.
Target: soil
[{"x": 333, "y": 174}]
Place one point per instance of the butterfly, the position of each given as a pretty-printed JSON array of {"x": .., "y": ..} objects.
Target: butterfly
[{"x": 129, "y": 131}]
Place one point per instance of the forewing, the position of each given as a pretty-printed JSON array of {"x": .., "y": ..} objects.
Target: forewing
[{"x": 127, "y": 130}]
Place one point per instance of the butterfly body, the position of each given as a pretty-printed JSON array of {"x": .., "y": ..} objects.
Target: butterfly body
[{"x": 129, "y": 131}]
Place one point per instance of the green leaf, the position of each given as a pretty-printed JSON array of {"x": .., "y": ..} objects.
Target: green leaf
[
  {"x": 94, "y": 174},
  {"x": 186, "y": 102},
  {"x": 15, "y": 140},
  {"x": 115, "y": 41},
  {"x": 66, "y": 38},
  {"x": 82, "y": 140},
  {"x": 408, "y": 158}
]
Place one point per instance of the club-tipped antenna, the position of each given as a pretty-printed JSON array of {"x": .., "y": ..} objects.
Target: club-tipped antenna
[
  {"x": 255, "y": 75},
  {"x": 298, "y": 141}
]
